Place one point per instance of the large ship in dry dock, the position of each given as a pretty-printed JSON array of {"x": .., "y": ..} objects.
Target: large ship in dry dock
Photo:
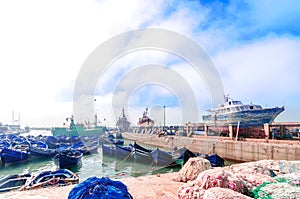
[
  {"x": 145, "y": 120},
  {"x": 236, "y": 113}
]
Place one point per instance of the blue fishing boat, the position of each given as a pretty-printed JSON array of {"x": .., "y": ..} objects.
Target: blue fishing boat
[
  {"x": 36, "y": 151},
  {"x": 235, "y": 112},
  {"x": 141, "y": 154},
  {"x": 110, "y": 140},
  {"x": 4, "y": 143},
  {"x": 182, "y": 155},
  {"x": 124, "y": 152},
  {"x": 163, "y": 158},
  {"x": 138, "y": 147},
  {"x": 12, "y": 182},
  {"x": 52, "y": 142},
  {"x": 11, "y": 156},
  {"x": 117, "y": 141},
  {"x": 68, "y": 159},
  {"x": 61, "y": 177},
  {"x": 109, "y": 150},
  {"x": 215, "y": 160},
  {"x": 86, "y": 148},
  {"x": 41, "y": 150}
]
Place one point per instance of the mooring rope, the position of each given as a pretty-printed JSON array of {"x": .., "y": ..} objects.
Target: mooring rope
[{"x": 124, "y": 159}]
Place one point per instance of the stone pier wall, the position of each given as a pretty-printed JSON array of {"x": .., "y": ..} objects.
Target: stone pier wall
[{"x": 242, "y": 151}]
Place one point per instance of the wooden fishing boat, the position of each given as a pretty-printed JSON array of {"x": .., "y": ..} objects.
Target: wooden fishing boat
[
  {"x": 4, "y": 143},
  {"x": 11, "y": 156},
  {"x": 60, "y": 177},
  {"x": 215, "y": 160},
  {"x": 86, "y": 148},
  {"x": 182, "y": 155},
  {"x": 12, "y": 182},
  {"x": 120, "y": 152},
  {"x": 109, "y": 150},
  {"x": 41, "y": 150},
  {"x": 124, "y": 152},
  {"x": 67, "y": 159},
  {"x": 141, "y": 154},
  {"x": 138, "y": 147},
  {"x": 36, "y": 151},
  {"x": 163, "y": 158}
]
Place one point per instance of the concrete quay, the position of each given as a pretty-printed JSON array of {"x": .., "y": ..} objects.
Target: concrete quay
[{"x": 230, "y": 149}]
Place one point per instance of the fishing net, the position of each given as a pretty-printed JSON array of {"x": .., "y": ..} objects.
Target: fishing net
[
  {"x": 220, "y": 178},
  {"x": 192, "y": 168},
  {"x": 99, "y": 188},
  {"x": 191, "y": 191},
  {"x": 276, "y": 190},
  {"x": 253, "y": 174},
  {"x": 291, "y": 178},
  {"x": 211, "y": 178},
  {"x": 252, "y": 168},
  {"x": 289, "y": 166},
  {"x": 222, "y": 193}
]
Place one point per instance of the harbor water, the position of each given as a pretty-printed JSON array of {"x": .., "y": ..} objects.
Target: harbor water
[{"x": 92, "y": 165}]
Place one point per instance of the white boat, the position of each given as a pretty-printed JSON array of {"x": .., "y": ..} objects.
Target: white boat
[{"x": 235, "y": 112}]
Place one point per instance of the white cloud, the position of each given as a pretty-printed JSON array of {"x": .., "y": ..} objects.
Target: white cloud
[
  {"x": 44, "y": 44},
  {"x": 264, "y": 72}
]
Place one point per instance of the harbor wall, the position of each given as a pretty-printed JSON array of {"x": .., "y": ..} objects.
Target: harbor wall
[{"x": 242, "y": 151}]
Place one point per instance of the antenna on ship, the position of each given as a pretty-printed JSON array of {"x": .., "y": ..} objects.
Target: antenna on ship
[
  {"x": 226, "y": 97},
  {"x": 123, "y": 112}
]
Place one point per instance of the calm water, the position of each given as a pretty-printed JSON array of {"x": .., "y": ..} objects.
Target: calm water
[{"x": 92, "y": 165}]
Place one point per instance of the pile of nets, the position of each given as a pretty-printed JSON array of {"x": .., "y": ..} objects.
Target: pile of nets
[
  {"x": 253, "y": 174},
  {"x": 289, "y": 166},
  {"x": 99, "y": 188},
  {"x": 209, "y": 179},
  {"x": 192, "y": 168},
  {"x": 222, "y": 193},
  {"x": 276, "y": 190},
  {"x": 291, "y": 178}
]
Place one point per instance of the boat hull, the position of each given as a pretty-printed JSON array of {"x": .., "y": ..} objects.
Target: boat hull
[
  {"x": 141, "y": 154},
  {"x": 162, "y": 158},
  {"x": 12, "y": 182},
  {"x": 245, "y": 119},
  {"x": 215, "y": 160},
  {"x": 42, "y": 152},
  {"x": 108, "y": 150},
  {"x": 9, "y": 156},
  {"x": 60, "y": 177},
  {"x": 123, "y": 153},
  {"x": 67, "y": 159},
  {"x": 142, "y": 157}
]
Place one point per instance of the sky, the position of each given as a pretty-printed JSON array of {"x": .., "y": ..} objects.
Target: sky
[{"x": 254, "y": 45}]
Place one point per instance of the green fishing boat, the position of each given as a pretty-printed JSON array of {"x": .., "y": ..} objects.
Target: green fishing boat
[{"x": 79, "y": 129}]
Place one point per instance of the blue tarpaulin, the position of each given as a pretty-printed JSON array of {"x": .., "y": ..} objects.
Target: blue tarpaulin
[{"x": 100, "y": 188}]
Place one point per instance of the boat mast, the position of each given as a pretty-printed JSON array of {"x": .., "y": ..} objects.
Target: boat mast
[
  {"x": 96, "y": 120},
  {"x": 123, "y": 113}
]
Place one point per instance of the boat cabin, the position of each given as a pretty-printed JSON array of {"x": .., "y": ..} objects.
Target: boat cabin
[{"x": 232, "y": 106}]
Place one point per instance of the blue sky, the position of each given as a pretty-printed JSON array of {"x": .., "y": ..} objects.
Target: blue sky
[{"x": 254, "y": 45}]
